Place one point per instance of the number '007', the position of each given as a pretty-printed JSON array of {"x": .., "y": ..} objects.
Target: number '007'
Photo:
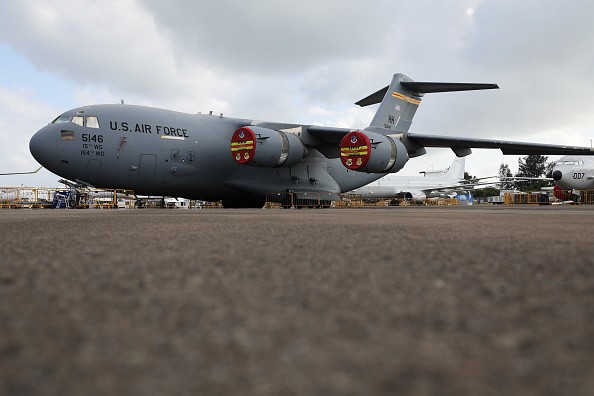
[{"x": 578, "y": 175}]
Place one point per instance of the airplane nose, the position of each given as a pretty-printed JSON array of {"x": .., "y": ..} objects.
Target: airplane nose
[
  {"x": 557, "y": 175},
  {"x": 43, "y": 146}
]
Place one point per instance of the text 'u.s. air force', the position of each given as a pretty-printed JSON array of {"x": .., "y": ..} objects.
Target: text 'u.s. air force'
[{"x": 146, "y": 128}]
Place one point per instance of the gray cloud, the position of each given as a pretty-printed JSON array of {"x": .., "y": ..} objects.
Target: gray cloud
[
  {"x": 540, "y": 53},
  {"x": 268, "y": 36}
]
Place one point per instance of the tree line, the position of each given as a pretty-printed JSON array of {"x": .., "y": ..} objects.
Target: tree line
[{"x": 530, "y": 166}]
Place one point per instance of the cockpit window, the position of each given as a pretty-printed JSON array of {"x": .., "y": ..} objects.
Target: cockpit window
[
  {"x": 88, "y": 121},
  {"x": 92, "y": 122},
  {"x": 572, "y": 162},
  {"x": 78, "y": 120},
  {"x": 61, "y": 119}
]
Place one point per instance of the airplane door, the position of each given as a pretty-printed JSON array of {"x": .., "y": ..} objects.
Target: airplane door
[
  {"x": 64, "y": 145},
  {"x": 93, "y": 166},
  {"x": 147, "y": 165}
]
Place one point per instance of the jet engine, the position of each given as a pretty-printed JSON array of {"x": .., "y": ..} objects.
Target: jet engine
[
  {"x": 266, "y": 147},
  {"x": 413, "y": 196},
  {"x": 372, "y": 152}
]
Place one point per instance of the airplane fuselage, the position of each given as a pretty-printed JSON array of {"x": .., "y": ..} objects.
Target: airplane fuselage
[
  {"x": 394, "y": 186},
  {"x": 574, "y": 172},
  {"x": 160, "y": 152}
]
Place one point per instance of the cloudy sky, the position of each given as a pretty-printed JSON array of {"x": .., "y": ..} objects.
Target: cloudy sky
[{"x": 302, "y": 61}]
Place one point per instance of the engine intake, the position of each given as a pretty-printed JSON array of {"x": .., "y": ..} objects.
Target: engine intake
[
  {"x": 372, "y": 152},
  {"x": 266, "y": 147}
]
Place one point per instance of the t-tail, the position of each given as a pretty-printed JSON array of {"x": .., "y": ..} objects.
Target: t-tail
[
  {"x": 400, "y": 100},
  {"x": 454, "y": 172}
]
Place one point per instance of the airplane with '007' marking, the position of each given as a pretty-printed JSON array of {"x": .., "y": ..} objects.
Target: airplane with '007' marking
[
  {"x": 572, "y": 175},
  {"x": 239, "y": 161}
]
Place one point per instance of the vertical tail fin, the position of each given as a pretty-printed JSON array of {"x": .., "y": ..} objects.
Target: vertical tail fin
[
  {"x": 399, "y": 100},
  {"x": 456, "y": 170},
  {"x": 398, "y": 105}
]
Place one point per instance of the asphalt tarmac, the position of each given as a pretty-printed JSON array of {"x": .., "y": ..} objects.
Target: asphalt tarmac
[{"x": 425, "y": 301}]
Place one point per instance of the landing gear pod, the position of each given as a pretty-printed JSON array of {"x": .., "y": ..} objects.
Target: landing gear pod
[
  {"x": 372, "y": 152},
  {"x": 266, "y": 147}
]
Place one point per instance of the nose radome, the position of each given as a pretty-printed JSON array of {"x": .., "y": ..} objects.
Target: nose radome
[
  {"x": 557, "y": 175},
  {"x": 43, "y": 146}
]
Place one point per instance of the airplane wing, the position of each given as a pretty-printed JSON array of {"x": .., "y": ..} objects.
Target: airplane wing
[
  {"x": 504, "y": 179},
  {"x": 21, "y": 173},
  {"x": 460, "y": 145},
  {"x": 331, "y": 135},
  {"x": 458, "y": 187},
  {"x": 506, "y": 146}
]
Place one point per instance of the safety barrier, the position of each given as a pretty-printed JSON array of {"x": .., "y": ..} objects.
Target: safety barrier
[
  {"x": 105, "y": 199},
  {"x": 547, "y": 198},
  {"x": 324, "y": 200},
  {"x": 207, "y": 205},
  {"x": 354, "y": 200},
  {"x": 44, "y": 197},
  {"x": 61, "y": 198},
  {"x": 90, "y": 198},
  {"x": 299, "y": 200},
  {"x": 26, "y": 197}
]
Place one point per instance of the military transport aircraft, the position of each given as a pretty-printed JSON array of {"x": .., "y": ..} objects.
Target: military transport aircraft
[{"x": 208, "y": 157}]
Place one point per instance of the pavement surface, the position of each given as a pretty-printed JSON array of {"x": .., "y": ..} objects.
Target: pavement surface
[{"x": 425, "y": 301}]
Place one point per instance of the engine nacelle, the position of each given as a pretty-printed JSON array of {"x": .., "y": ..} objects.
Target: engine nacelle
[
  {"x": 414, "y": 196},
  {"x": 372, "y": 152},
  {"x": 266, "y": 147}
]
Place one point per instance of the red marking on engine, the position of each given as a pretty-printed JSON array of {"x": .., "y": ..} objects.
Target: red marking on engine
[
  {"x": 243, "y": 145},
  {"x": 355, "y": 150}
]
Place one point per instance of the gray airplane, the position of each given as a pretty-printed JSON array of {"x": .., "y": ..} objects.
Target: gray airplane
[{"x": 239, "y": 161}]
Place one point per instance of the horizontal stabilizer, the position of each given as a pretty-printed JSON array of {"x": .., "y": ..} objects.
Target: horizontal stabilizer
[
  {"x": 432, "y": 87},
  {"x": 420, "y": 87},
  {"x": 374, "y": 98}
]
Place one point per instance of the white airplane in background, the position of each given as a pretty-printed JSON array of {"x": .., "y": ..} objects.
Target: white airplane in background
[
  {"x": 573, "y": 173},
  {"x": 442, "y": 183}
]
